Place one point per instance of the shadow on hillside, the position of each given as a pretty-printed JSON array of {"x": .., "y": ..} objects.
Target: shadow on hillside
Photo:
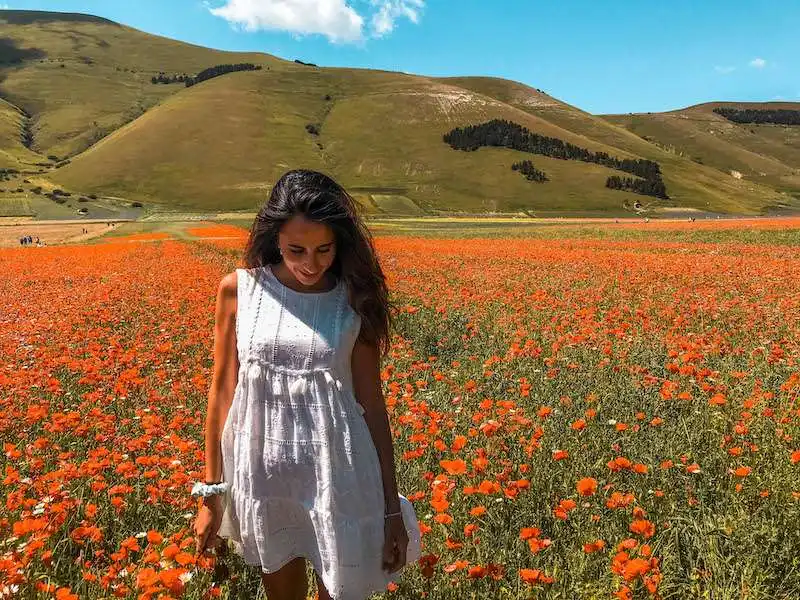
[
  {"x": 28, "y": 17},
  {"x": 10, "y": 53}
]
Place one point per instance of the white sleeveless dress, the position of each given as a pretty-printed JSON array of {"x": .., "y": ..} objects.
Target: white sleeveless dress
[{"x": 304, "y": 472}]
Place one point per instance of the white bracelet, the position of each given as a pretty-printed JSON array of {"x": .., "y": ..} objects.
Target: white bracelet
[
  {"x": 394, "y": 514},
  {"x": 205, "y": 490}
]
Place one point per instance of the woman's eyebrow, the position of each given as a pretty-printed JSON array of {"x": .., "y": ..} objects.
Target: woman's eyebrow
[{"x": 318, "y": 247}]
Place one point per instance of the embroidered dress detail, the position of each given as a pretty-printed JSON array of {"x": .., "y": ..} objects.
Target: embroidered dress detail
[{"x": 304, "y": 474}]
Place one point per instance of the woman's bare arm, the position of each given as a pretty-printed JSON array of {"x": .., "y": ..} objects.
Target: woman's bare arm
[
  {"x": 369, "y": 394},
  {"x": 226, "y": 371}
]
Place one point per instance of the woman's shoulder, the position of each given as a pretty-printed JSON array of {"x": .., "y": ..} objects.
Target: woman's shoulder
[
  {"x": 247, "y": 276},
  {"x": 227, "y": 295},
  {"x": 229, "y": 284},
  {"x": 238, "y": 282}
]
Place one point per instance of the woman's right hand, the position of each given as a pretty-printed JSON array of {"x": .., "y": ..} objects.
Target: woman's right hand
[{"x": 207, "y": 523}]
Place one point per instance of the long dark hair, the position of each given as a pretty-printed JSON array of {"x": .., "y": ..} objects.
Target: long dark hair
[{"x": 319, "y": 198}]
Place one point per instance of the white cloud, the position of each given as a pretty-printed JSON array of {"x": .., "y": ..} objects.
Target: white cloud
[
  {"x": 390, "y": 10},
  {"x": 758, "y": 63},
  {"x": 337, "y": 20},
  {"x": 334, "y": 19},
  {"x": 724, "y": 70}
]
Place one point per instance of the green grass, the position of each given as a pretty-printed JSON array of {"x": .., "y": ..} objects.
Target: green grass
[
  {"x": 15, "y": 207},
  {"x": 399, "y": 205},
  {"x": 458, "y": 228},
  {"x": 591, "y": 231}
]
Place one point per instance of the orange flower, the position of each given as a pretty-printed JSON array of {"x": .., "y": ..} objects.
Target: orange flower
[
  {"x": 643, "y": 527},
  {"x": 587, "y": 486},
  {"x": 455, "y": 566},
  {"x": 634, "y": 568},
  {"x": 717, "y": 400},
  {"x": 443, "y": 518},
  {"x": 454, "y": 467},
  {"x": 154, "y": 537},
  {"x": 527, "y": 533},
  {"x": 595, "y": 546},
  {"x": 458, "y": 443},
  {"x": 534, "y": 576},
  {"x": 564, "y": 507},
  {"x": 477, "y": 511}
]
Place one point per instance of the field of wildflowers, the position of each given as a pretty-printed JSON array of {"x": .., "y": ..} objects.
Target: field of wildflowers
[{"x": 574, "y": 416}]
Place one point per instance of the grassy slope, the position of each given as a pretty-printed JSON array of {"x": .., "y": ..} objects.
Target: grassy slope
[
  {"x": 762, "y": 153},
  {"x": 83, "y": 77},
  {"x": 688, "y": 183},
  {"x": 13, "y": 155},
  {"x": 232, "y": 137}
]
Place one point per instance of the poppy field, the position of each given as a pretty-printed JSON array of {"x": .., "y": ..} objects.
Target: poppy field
[{"x": 574, "y": 416}]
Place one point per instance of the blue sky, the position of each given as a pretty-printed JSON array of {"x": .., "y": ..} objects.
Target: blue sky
[{"x": 604, "y": 57}]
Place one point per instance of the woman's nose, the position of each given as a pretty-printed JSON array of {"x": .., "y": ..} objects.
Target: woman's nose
[{"x": 312, "y": 264}]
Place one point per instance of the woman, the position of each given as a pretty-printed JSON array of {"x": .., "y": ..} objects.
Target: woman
[{"x": 299, "y": 459}]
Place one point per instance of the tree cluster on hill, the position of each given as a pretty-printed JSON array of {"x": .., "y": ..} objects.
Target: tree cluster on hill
[
  {"x": 648, "y": 187},
  {"x": 203, "y": 75},
  {"x": 167, "y": 79},
  {"x": 307, "y": 64},
  {"x": 212, "y": 72},
  {"x": 777, "y": 116},
  {"x": 531, "y": 173},
  {"x": 7, "y": 174},
  {"x": 503, "y": 133}
]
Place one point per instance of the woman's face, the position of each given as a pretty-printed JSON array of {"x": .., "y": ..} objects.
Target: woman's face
[{"x": 308, "y": 249}]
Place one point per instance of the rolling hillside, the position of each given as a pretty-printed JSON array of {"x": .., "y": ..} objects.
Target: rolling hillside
[
  {"x": 219, "y": 145},
  {"x": 689, "y": 183},
  {"x": 763, "y": 153},
  {"x": 82, "y": 77}
]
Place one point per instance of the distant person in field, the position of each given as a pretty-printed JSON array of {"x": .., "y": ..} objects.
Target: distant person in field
[{"x": 299, "y": 458}]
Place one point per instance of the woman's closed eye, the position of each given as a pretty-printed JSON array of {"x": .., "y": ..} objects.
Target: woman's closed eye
[{"x": 302, "y": 250}]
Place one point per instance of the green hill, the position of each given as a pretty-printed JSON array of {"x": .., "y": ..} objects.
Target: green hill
[
  {"x": 83, "y": 77},
  {"x": 221, "y": 144},
  {"x": 763, "y": 153},
  {"x": 380, "y": 134}
]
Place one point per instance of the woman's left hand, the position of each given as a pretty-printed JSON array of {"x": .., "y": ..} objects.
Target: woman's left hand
[{"x": 395, "y": 543}]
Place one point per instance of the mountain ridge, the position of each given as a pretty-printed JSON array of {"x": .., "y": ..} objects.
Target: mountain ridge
[{"x": 223, "y": 142}]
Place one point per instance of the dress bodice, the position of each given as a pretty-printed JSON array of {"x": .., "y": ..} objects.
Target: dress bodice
[{"x": 294, "y": 331}]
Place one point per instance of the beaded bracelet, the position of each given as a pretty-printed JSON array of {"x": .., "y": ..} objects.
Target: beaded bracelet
[{"x": 205, "y": 489}]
